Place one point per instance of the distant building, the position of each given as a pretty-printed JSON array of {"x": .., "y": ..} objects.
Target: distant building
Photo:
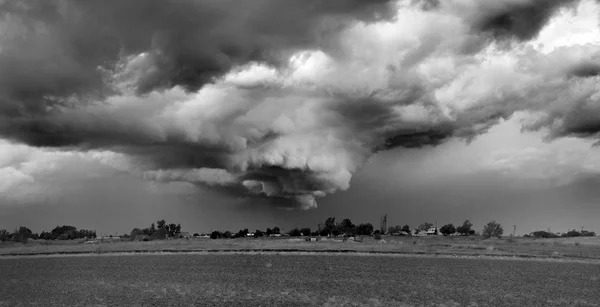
[{"x": 433, "y": 231}]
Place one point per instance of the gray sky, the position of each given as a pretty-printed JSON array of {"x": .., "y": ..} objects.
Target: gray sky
[{"x": 425, "y": 112}]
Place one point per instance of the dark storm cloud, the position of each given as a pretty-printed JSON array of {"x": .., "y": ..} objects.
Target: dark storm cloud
[
  {"x": 56, "y": 51},
  {"x": 282, "y": 100},
  {"x": 586, "y": 70},
  {"x": 521, "y": 20}
]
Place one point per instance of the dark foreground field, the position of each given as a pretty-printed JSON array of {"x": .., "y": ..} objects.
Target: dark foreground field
[{"x": 294, "y": 280}]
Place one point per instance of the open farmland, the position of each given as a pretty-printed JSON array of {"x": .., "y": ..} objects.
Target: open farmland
[
  {"x": 579, "y": 248},
  {"x": 294, "y": 280}
]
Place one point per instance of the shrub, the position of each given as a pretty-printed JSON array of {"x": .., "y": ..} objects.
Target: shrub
[{"x": 492, "y": 229}]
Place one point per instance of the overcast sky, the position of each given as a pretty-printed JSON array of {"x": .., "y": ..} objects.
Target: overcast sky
[{"x": 228, "y": 115}]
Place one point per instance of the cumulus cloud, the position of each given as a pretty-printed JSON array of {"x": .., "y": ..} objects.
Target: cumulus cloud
[{"x": 283, "y": 101}]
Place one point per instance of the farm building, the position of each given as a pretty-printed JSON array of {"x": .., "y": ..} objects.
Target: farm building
[{"x": 433, "y": 231}]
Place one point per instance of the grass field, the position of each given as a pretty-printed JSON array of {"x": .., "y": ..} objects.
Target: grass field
[
  {"x": 293, "y": 280},
  {"x": 580, "y": 248}
]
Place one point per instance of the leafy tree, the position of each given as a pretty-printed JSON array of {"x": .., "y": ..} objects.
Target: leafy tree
[
  {"x": 45, "y": 235},
  {"x": 172, "y": 230},
  {"x": 178, "y": 229},
  {"x": 276, "y": 230},
  {"x": 216, "y": 235},
  {"x": 64, "y": 232},
  {"x": 258, "y": 233},
  {"x": 330, "y": 225},
  {"x": 406, "y": 228},
  {"x": 160, "y": 234},
  {"x": 22, "y": 234},
  {"x": 227, "y": 234},
  {"x": 425, "y": 226},
  {"x": 347, "y": 227},
  {"x": 492, "y": 229},
  {"x": 295, "y": 232},
  {"x": 365, "y": 229},
  {"x": 269, "y": 232},
  {"x": 448, "y": 229},
  {"x": 585, "y": 233},
  {"x": 161, "y": 224},
  {"x": 136, "y": 232},
  {"x": 152, "y": 229},
  {"x": 305, "y": 231},
  {"x": 465, "y": 229},
  {"x": 242, "y": 233},
  {"x": 4, "y": 235}
]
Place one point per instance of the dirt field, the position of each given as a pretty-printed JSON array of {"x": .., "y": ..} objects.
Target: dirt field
[
  {"x": 577, "y": 248},
  {"x": 293, "y": 280}
]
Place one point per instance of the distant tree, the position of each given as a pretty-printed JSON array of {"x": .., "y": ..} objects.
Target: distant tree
[
  {"x": 276, "y": 230},
  {"x": 35, "y": 236},
  {"x": 448, "y": 229},
  {"x": 258, "y": 233},
  {"x": 152, "y": 229},
  {"x": 269, "y": 232},
  {"x": 160, "y": 234},
  {"x": 347, "y": 227},
  {"x": 305, "y": 231},
  {"x": 465, "y": 229},
  {"x": 216, "y": 235},
  {"x": 161, "y": 224},
  {"x": 178, "y": 229},
  {"x": 377, "y": 234},
  {"x": 45, "y": 235},
  {"x": 406, "y": 228},
  {"x": 492, "y": 229},
  {"x": 585, "y": 233},
  {"x": 64, "y": 232},
  {"x": 135, "y": 233},
  {"x": 364, "y": 229},
  {"x": 241, "y": 233},
  {"x": 425, "y": 226},
  {"x": 172, "y": 230},
  {"x": 22, "y": 234},
  {"x": 543, "y": 234},
  {"x": 4, "y": 235},
  {"x": 330, "y": 225},
  {"x": 324, "y": 232},
  {"x": 196, "y": 235},
  {"x": 295, "y": 232}
]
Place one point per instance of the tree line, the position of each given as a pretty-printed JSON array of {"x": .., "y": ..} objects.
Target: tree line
[
  {"x": 568, "y": 234},
  {"x": 330, "y": 227},
  {"x": 159, "y": 231},
  {"x": 23, "y": 234}
]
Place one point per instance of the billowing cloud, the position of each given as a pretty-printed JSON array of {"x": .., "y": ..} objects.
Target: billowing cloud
[{"x": 284, "y": 101}]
